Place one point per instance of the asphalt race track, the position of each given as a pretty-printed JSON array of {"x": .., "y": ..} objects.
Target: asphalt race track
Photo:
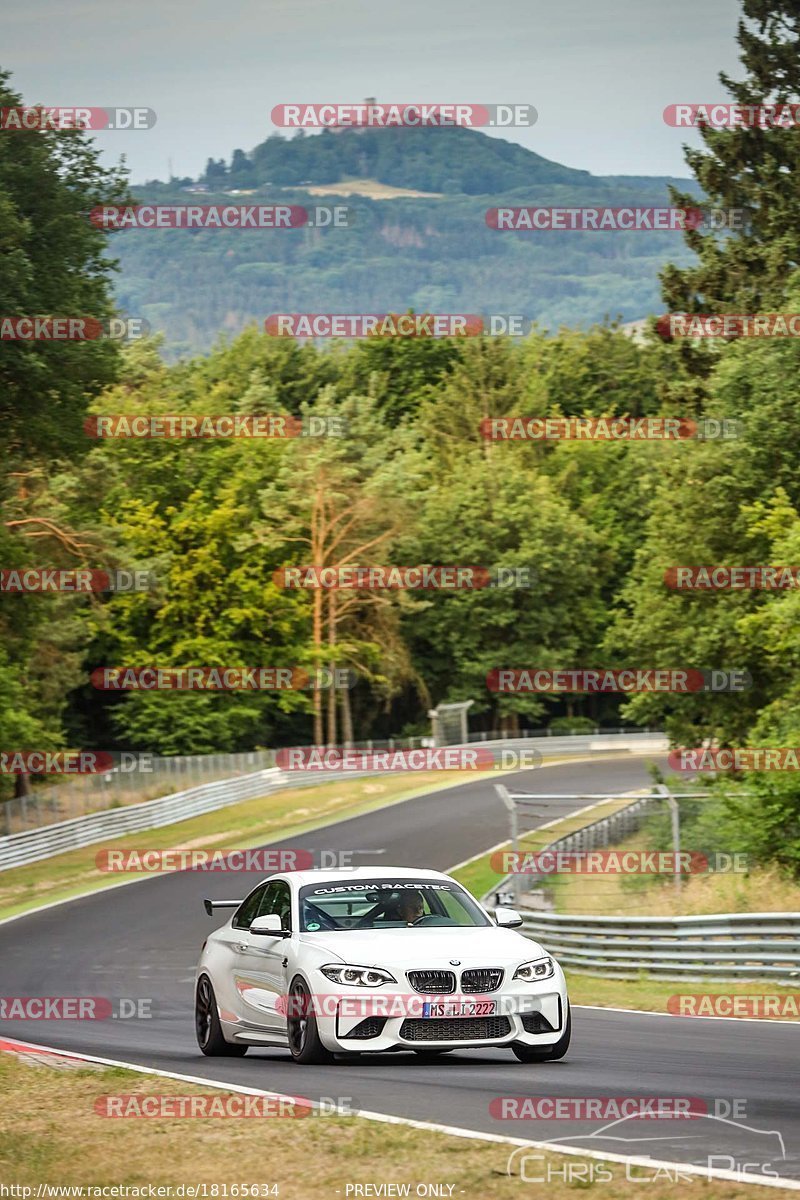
[{"x": 143, "y": 940}]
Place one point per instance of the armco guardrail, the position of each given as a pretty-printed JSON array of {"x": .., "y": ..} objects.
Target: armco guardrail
[
  {"x": 138, "y": 778},
  {"x": 17, "y": 849},
  {"x": 133, "y": 780},
  {"x": 718, "y": 946},
  {"x": 582, "y": 743},
  {"x": 721, "y": 946}
]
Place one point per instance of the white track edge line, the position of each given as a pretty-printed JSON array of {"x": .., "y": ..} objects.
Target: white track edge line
[
  {"x": 644, "y": 1012},
  {"x": 430, "y": 1126},
  {"x": 548, "y": 825}
]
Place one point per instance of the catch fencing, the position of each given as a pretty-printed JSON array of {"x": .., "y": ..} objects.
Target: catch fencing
[
  {"x": 138, "y": 778},
  {"x": 17, "y": 849},
  {"x": 149, "y": 776},
  {"x": 716, "y": 946}
]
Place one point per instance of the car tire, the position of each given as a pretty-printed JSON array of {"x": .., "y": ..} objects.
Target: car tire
[
  {"x": 207, "y": 1026},
  {"x": 304, "y": 1040},
  {"x": 529, "y": 1054}
]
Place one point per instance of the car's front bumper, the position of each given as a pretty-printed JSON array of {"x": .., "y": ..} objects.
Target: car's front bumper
[{"x": 373, "y": 1023}]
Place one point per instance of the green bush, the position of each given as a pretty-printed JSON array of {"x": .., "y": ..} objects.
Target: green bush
[{"x": 562, "y": 725}]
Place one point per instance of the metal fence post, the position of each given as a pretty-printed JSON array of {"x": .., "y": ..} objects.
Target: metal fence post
[
  {"x": 513, "y": 821},
  {"x": 675, "y": 818}
]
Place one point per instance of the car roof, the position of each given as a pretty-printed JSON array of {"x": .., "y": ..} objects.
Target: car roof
[{"x": 347, "y": 874}]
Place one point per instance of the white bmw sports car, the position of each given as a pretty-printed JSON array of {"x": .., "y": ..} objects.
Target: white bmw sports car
[{"x": 375, "y": 959}]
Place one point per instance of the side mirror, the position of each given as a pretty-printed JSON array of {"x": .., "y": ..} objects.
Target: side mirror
[
  {"x": 507, "y": 918},
  {"x": 269, "y": 926}
]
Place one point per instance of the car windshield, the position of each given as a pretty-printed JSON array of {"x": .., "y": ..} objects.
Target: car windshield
[{"x": 387, "y": 904}]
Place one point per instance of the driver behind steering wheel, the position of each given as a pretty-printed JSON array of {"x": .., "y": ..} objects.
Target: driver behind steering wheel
[{"x": 411, "y": 907}]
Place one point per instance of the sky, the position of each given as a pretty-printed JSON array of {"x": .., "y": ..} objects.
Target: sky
[{"x": 599, "y": 72}]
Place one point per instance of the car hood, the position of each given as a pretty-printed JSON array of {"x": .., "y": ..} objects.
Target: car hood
[{"x": 407, "y": 948}]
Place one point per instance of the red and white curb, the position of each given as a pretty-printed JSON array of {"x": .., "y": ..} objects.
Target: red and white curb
[{"x": 43, "y": 1056}]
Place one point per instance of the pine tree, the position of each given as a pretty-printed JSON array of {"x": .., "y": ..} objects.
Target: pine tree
[{"x": 751, "y": 168}]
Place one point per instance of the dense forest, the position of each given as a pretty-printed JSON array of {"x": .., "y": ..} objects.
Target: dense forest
[
  {"x": 409, "y": 479},
  {"x": 430, "y": 252}
]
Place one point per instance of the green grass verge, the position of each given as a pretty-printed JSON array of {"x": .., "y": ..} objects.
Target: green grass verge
[
  {"x": 479, "y": 876},
  {"x": 51, "y": 1133},
  {"x": 760, "y": 889},
  {"x": 578, "y": 893},
  {"x": 653, "y": 995}
]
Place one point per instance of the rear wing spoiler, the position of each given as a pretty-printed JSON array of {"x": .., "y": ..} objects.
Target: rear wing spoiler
[{"x": 210, "y": 905}]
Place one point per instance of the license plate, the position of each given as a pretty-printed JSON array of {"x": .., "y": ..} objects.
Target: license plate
[{"x": 459, "y": 1008}]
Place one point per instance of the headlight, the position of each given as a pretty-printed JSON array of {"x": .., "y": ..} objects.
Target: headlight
[
  {"x": 537, "y": 968},
  {"x": 357, "y": 976}
]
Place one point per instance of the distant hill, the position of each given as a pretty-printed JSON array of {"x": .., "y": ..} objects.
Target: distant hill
[
  {"x": 431, "y": 252},
  {"x": 450, "y": 160}
]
